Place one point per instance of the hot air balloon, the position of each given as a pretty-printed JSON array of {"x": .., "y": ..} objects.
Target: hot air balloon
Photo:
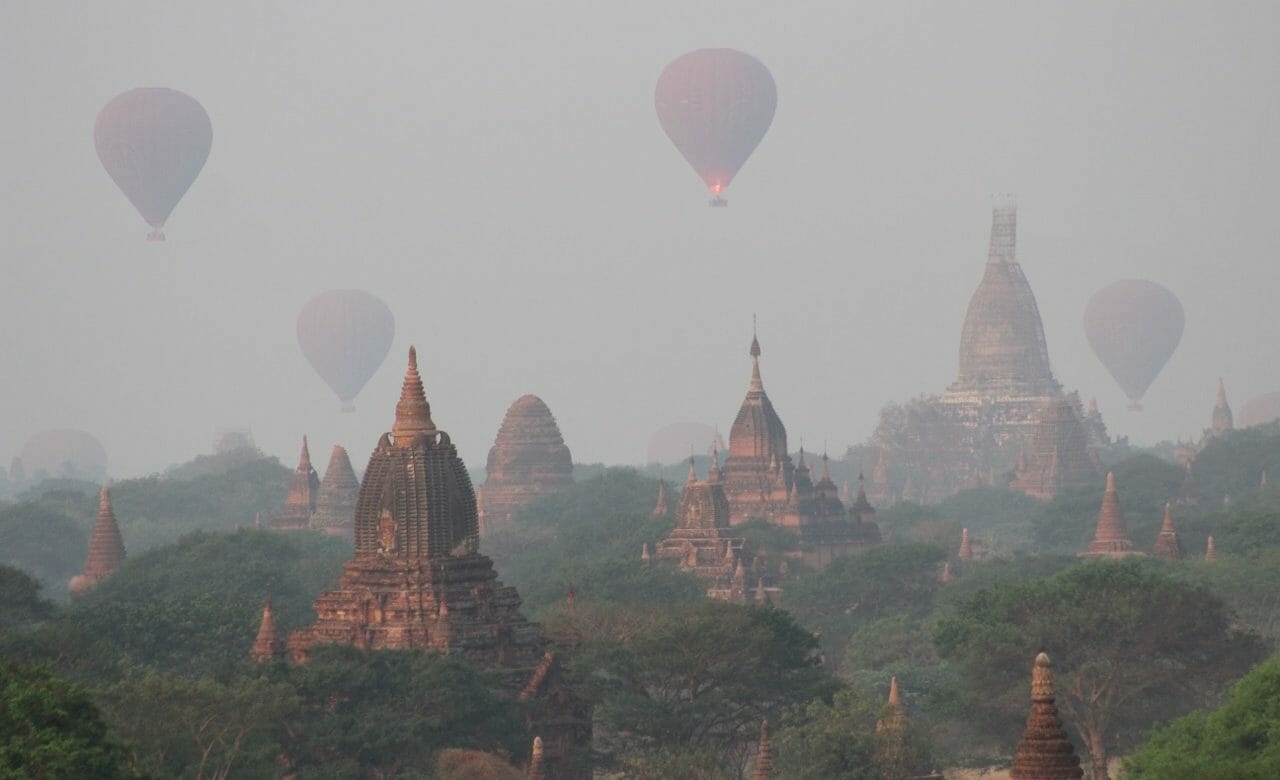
[
  {"x": 345, "y": 334},
  {"x": 1134, "y": 326},
  {"x": 64, "y": 453},
  {"x": 153, "y": 142},
  {"x": 716, "y": 105},
  {"x": 1261, "y": 410},
  {"x": 674, "y": 443}
]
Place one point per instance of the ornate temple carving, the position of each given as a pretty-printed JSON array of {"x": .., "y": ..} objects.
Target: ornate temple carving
[
  {"x": 528, "y": 459},
  {"x": 417, "y": 579},
  {"x": 106, "y": 548}
]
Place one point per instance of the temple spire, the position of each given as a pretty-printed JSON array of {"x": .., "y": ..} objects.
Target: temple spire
[
  {"x": 1044, "y": 752},
  {"x": 1222, "y": 419},
  {"x": 764, "y": 755},
  {"x": 304, "y": 459},
  {"x": 1110, "y": 539},
  {"x": 756, "y": 384},
  {"x": 693, "y": 473},
  {"x": 662, "y": 507},
  {"x": 413, "y": 413},
  {"x": 1004, "y": 234},
  {"x": 826, "y": 470},
  {"x": 268, "y": 645},
  {"x": 1167, "y": 543},
  {"x": 966, "y": 549},
  {"x": 714, "y": 474},
  {"x": 1209, "y": 553}
]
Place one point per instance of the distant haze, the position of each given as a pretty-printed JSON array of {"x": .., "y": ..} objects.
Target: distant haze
[{"x": 497, "y": 175}]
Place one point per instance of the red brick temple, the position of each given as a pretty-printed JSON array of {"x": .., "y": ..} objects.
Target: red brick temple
[
  {"x": 106, "y": 548},
  {"x": 528, "y": 460}
]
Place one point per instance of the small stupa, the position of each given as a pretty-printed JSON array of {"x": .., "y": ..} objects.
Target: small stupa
[
  {"x": 764, "y": 755},
  {"x": 304, "y": 488},
  {"x": 336, "y": 502},
  {"x": 1167, "y": 544},
  {"x": 1044, "y": 753},
  {"x": 268, "y": 646},
  {"x": 966, "y": 548},
  {"x": 662, "y": 508},
  {"x": 106, "y": 548},
  {"x": 1110, "y": 539}
]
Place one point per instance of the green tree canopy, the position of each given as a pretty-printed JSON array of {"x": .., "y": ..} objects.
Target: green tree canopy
[
  {"x": 1240, "y": 740},
  {"x": 1130, "y": 646},
  {"x": 50, "y": 728}
]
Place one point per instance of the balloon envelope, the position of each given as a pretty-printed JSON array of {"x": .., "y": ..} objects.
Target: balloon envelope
[
  {"x": 676, "y": 442},
  {"x": 64, "y": 453},
  {"x": 345, "y": 334},
  {"x": 1134, "y": 326},
  {"x": 153, "y": 142},
  {"x": 715, "y": 105},
  {"x": 1261, "y": 410}
]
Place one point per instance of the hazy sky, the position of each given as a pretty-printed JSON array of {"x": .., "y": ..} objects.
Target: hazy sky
[{"x": 496, "y": 173}]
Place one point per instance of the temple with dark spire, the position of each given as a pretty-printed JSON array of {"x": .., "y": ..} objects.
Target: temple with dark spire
[
  {"x": 304, "y": 489},
  {"x": 336, "y": 501},
  {"x": 758, "y": 473},
  {"x": 528, "y": 460},
  {"x": 268, "y": 646},
  {"x": 1110, "y": 538},
  {"x": 1044, "y": 752},
  {"x": 1167, "y": 544},
  {"x": 417, "y": 580},
  {"x": 106, "y": 548},
  {"x": 973, "y": 433}
]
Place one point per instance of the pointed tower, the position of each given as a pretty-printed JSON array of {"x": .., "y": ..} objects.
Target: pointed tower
[
  {"x": 1167, "y": 544},
  {"x": 945, "y": 576},
  {"x": 714, "y": 474},
  {"x": 1110, "y": 539},
  {"x": 417, "y": 580},
  {"x": 756, "y": 440},
  {"x": 1222, "y": 420},
  {"x": 106, "y": 548},
  {"x": 1002, "y": 345},
  {"x": 268, "y": 646},
  {"x": 304, "y": 489},
  {"x": 764, "y": 755},
  {"x": 966, "y": 549},
  {"x": 861, "y": 511},
  {"x": 1210, "y": 555},
  {"x": 662, "y": 508},
  {"x": 536, "y": 771},
  {"x": 896, "y": 713},
  {"x": 1059, "y": 456},
  {"x": 1044, "y": 753},
  {"x": 528, "y": 460},
  {"x": 336, "y": 502}
]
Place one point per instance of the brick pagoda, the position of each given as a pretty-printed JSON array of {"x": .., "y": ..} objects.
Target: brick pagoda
[
  {"x": 528, "y": 460},
  {"x": 106, "y": 548}
]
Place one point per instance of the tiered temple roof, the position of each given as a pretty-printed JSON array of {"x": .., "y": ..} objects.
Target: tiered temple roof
[
  {"x": 304, "y": 489},
  {"x": 1167, "y": 544},
  {"x": 336, "y": 502},
  {"x": 966, "y": 547},
  {"x": 764, "y": 755},
  {"x": 702, "y": 544},
  {"x": 1110, "y": 539},
  {"x": 1059, "y": 455},
  {"x": 1044, "y": 753},
  {"x": 106, "y": 548},
  {"x": 528, "y": 460}
]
